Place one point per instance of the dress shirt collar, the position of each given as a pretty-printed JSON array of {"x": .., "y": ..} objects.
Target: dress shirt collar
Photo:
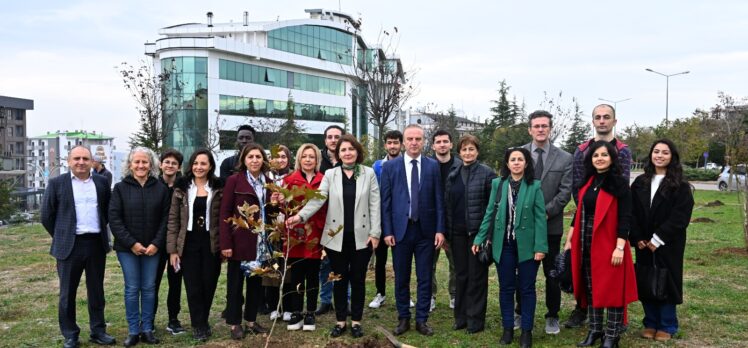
[{"x": 84, "y": 181}]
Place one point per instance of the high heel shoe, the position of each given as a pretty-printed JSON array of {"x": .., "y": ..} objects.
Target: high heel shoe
[{"x": 590, "y": 340}]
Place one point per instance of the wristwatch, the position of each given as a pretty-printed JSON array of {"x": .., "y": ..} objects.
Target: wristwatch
[{"x": 619, "y": 248}]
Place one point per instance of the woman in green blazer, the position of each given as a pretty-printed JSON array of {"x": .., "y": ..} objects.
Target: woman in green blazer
[{"x": 519, "y": 239}]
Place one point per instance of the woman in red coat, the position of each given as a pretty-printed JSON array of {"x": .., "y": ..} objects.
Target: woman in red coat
[
  {"x": 240, "y": 244},
  {"x": 602, "y": 268},
  {"x": 304, "y": 258}
]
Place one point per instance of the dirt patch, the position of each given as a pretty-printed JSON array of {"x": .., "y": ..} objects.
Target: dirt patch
[
  {"x": 732, "y": 251},
  {"x": 716, "y": 203},
  {"x": 703, "y": 220},
  {"x": 368, "y": 342}
]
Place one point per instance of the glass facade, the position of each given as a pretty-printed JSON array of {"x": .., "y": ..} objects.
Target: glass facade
[
  {"x": 313, "y": 41},
  {"x": 186, "y": 107},
  {"x": 243, "y": 106},
  {"x": 250, "y": 73}
]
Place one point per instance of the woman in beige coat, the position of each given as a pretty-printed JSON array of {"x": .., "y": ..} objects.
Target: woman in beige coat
[{"x": 352, "y": 228}]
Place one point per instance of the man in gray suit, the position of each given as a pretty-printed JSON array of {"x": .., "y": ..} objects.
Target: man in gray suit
[
  {"x": 553, "y": 167},
  {"x": 74, "y": 213}
]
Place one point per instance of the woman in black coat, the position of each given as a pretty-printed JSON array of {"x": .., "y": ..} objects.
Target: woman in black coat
[
  {"x": 662, "y": 206},
  {"x": 466, "y": 194},
  {"x": 138, "y": 212}
]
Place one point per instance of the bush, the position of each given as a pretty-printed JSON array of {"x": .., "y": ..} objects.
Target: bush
[{"x": 698, "y": 174}]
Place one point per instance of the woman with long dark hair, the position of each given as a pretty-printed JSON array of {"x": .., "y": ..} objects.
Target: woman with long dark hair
[
  {"x": 662, "y": 206},
  {"x": 192, "y": 237},
  {"x": 516, "y": 210},
  {"x": 602, "y": 268},
  {"x": 467, "y": 192}
]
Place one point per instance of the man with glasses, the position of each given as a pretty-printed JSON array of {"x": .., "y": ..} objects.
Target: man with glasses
[{"x": 553, "y": 169}]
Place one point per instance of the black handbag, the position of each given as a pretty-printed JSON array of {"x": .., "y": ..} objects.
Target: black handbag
[
  {"x": 562, "y": 272},
  {"x": 485, "y": 253},
  {"x": 651, "y": 281}
]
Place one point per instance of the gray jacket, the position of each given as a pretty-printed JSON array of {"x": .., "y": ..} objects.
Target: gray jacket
[{"x": 556, "y": 184}]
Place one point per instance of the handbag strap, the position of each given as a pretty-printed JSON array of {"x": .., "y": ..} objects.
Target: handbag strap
[{"x": 495, "y": 210}]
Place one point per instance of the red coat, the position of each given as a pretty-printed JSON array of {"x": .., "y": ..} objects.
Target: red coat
[
  {"x": 611, "y": 286},
  {"x": 241, "y": 241},
  {"x": 317, "y": 221}
]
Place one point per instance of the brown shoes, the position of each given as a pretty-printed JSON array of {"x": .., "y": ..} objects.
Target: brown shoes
[
  {"x": 662, "y": 336},
  {"x": 237, "y": 332},
  {"x": 255, "y": 329},
  {"x": 648, "y": 333}
]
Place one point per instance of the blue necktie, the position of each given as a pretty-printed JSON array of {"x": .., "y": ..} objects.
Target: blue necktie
[{"x": 414, "y": 188}]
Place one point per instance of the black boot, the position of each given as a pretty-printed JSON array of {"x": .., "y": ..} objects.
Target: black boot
[
  {"x": 610, "y": 342},
  {"x": 525, "y": 340},
  {"x": 590, "y": 340},
  {"x": 507, "y": 336}
]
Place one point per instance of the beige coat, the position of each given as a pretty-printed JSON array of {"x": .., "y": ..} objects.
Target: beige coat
[
  {"x": 179, "y": 214},
  {"x": 366, "y": 215}
]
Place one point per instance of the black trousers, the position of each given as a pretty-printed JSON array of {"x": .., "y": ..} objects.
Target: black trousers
[
  {"x": 552, "y": 289},
  {"x": 89, "y": 256},
  {"x": 351, "y": 266},
  {"x": 174, "y": 296},
  {"x": 304, "y": 279},
  {"x": 380, "y": 270},
  {"x": 235, "y": 280},
  {"x": 471, "y": 280},
  {"x": 201, "y": 269}
]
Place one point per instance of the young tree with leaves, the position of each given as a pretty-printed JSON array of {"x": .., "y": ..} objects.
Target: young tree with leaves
[{"x": 149, "y": 90}]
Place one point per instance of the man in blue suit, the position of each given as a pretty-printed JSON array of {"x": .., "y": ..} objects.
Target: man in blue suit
[
  {"x": 412, "y": 224},
  {"x": 74, "y": 213}
]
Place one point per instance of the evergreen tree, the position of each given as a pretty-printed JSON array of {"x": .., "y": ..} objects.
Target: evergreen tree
[
  {"x": 578, "y": 133},
  {"x": 506, "y": 128},
  {"x": 289, "y": 133}
]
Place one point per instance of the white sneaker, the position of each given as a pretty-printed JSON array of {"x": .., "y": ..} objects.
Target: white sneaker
[
  {"x": 286, "y": 316},
  {"x": 412, "y": 304},
  {"x": 452, "y": 303},
  {"x": 433, "y": 304},
  {"x": 274, "y": 315},
  {"x": 517, "y": 321},
  {"x": 296, "y": 322},
  {"x": 378, "y": 301}
]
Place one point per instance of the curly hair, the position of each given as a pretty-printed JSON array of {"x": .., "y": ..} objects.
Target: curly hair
[{"x": 152, "y": 158}]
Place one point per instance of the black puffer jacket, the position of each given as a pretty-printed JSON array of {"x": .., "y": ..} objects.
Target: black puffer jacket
[
  {"x": 478, "y": 185},
  {"x": 139, "y": 213}
]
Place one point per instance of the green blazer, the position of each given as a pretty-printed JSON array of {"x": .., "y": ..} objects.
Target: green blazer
[{"x": 530, "y": 226}]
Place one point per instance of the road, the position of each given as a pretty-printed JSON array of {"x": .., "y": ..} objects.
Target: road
[{"x": 699, "y": 185}]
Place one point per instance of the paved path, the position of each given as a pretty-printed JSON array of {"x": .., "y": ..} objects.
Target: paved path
[{"x": 699, "y": 185}]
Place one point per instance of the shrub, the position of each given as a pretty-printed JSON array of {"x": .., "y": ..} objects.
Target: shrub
[{"x": 697, "y": 174}]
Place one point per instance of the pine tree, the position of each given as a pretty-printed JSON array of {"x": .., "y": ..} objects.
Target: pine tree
[
  {"x": 578, "y": 131},
  {"x": 289, "y": 133}
]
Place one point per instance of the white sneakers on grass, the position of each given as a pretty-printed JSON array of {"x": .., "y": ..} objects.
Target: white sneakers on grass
[{"x": 378, "y": 301}]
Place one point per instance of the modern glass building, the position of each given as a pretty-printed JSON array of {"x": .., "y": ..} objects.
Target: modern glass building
[{"x": 222, "y": 75}]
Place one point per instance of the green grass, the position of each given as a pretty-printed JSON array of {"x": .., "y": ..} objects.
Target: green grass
[{"x": 713, "y": 314}]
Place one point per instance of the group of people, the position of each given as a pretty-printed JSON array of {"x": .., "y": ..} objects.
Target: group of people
[{"x": 410, "y": 203}]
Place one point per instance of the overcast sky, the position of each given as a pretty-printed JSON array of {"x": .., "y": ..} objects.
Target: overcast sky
[{"x": 63, "y": 54}]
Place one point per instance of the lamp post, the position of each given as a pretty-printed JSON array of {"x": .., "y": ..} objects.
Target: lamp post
[
  {"x": 614, "y": 102},
  {"x": 667, "y": 86}
]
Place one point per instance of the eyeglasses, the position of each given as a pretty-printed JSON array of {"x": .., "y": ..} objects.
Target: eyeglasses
[{"x": 541, "y": 126}]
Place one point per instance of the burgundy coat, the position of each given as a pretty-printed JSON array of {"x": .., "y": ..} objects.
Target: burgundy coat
[
  {"x": 317, "y": 221},
  {"x": 241, "y": 241},
  {"x": 611, "y": 286}
]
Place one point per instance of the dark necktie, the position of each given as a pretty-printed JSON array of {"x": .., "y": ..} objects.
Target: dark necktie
[
  {"x": 414, "y": 188},
  {"x": 539, "y": 164}
]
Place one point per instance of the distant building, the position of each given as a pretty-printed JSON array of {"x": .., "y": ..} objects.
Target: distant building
[
  {"x": 13, "y": 145},
  {"x": 426, "y": 120},
  {"x": 48, "y": 153},
  {"x": 244, "y": 72}
]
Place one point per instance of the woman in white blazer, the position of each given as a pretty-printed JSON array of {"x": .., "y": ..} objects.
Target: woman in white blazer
[{"x": 352, "y": 228}]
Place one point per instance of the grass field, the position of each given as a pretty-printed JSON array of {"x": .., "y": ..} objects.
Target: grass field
[{"x": 714, "y": 313}]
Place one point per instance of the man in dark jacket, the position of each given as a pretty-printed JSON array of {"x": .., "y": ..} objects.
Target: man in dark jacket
[
  {"x": 100, "y": 169},
  {"x": 332, "y": 135},
  {"x": 245, "y": 134},
  {"x": 441, "y": 143},
  {"x": 553, "y": 169},
  {"x": 74, "y": 213}
]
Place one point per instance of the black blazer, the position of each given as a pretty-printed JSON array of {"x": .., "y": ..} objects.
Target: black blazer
[
  {"x": 668, "y": 216},
  {"x": 58, "y": 213}
]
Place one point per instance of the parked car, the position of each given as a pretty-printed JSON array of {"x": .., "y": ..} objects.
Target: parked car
[
  {"x": 711, "y": 165},
  {"x": 738, "y": 179}
]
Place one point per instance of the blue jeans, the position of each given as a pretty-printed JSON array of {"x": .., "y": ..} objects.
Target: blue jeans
[
  {"x": 660, "y": 316},
  {"x": 140, "y": 290},
  {"x": 515, "y": 275},
  {"x": 325, "y": 287}
]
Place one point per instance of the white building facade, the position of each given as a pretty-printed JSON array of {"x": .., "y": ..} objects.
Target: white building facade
[
  {"x": 229, "y": 74},
  {"x": 48, "y": 153}
]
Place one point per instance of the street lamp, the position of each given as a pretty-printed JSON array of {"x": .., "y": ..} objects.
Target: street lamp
[
  {"x": 667, "y": 86},
  {"x": 614, "y": 102}
]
